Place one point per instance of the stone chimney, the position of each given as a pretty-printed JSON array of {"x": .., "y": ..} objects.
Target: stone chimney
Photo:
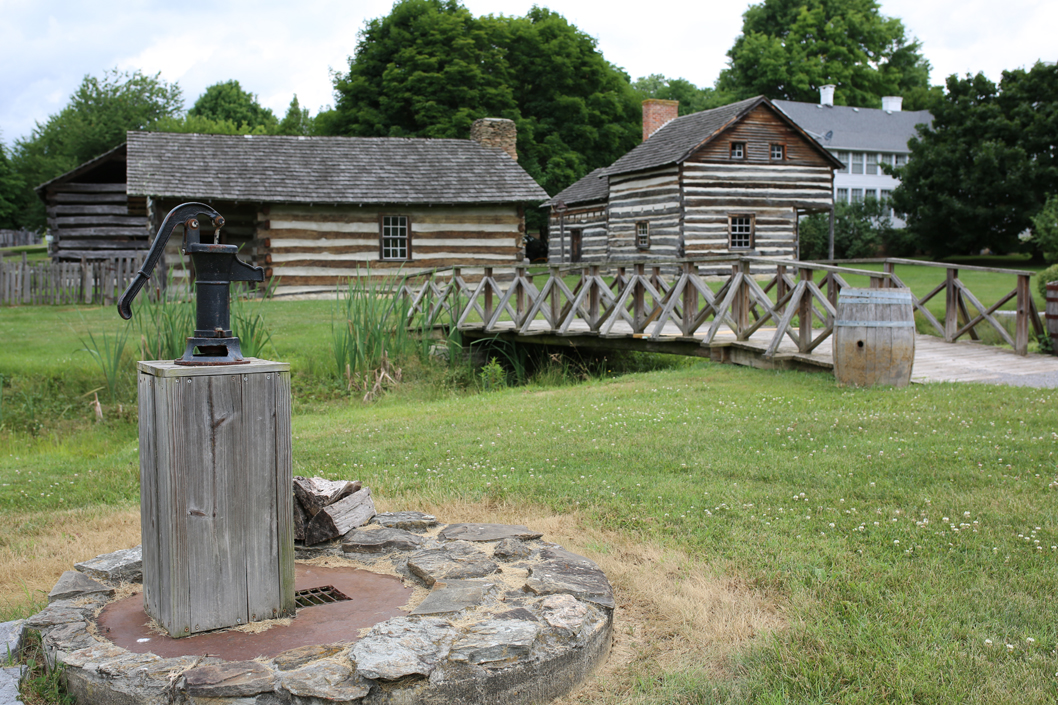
[
  {"x": 656, "y": 113},
  {"x": 496, "y": 133},
  {"x": 826, "y": 94},
  {"x": 892, "y": 103}
]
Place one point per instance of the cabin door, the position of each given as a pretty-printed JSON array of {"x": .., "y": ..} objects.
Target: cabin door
[{"x": 574, "y": 244}]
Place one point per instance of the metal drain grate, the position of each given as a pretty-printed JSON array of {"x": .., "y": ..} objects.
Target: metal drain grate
[{"x": 319, "y": 596}]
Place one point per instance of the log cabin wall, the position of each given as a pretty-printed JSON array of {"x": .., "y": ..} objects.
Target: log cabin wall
[
  {"x": 323, "y": 246},
  {"x": 717, "y": 186},
  {"x": 651, "y": 197},
  {"x": 590, "y": 221}
]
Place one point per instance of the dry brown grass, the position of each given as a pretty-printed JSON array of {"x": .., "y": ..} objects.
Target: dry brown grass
[
  {"x": 36, "y": 548},
  {"x": 673, "y": 611}
]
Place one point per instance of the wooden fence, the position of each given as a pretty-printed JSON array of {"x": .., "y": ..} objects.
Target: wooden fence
[
  {"x": 87, "y": 281},
  {"x": 20, "y": 238},
  {"x": 673, "y": 300}
]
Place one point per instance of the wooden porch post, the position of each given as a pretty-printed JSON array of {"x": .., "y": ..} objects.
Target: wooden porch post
[
  {"x": 951, "y": 305},
  {"x": 1021, "y": 326},
  {"x": 804, "y": 314}
]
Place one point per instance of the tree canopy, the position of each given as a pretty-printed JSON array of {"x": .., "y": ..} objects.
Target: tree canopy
[
  {"x": 789, "y": 48},
  {"x": 95, "y": 120},
  {"x": 986, "y": 166},
  {"x": 228, "y": 102},
  {"x": 430, "y": 68},
  {"x": 692, "y": 98},
  {"x": 11, "y": 192}
]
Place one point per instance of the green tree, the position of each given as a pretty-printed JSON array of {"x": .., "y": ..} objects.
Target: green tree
[
  {"x": 861, "y": 229},
  {"x": 789, "y": 48},
  {"x": 296, "y": 121},
  {"x": 430, "y": 68},
  {"x": 206, "y": 126},
  {"x": 227, "y": 101},
  {"x": 1045, "y": 229},
  {"x": 96, "y": 119},
  {"x": 692, "y": 98},
  {"x": 985, "y": 167},
  {"x": 12, "y": 192}
]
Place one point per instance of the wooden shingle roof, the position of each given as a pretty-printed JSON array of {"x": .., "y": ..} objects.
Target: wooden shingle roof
[
  {"x": 361, "y": 170},
  {"x": 678, "y": 139}
]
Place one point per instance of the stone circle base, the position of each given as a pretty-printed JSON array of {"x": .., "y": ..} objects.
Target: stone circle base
[{"x": 477, "y": 613}]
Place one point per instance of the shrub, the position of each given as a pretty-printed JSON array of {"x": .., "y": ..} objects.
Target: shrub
[
  {"x": 861, "y": 230},
  {"x": 1044, "y": 277}
]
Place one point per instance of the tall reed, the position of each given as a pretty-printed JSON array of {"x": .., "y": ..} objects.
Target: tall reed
[
  {"x": 368, "y": 323},
  {"x": 165, "y": 317},
  {"x": 108, "y": 351},
  {"x": 248, "y": 322}
]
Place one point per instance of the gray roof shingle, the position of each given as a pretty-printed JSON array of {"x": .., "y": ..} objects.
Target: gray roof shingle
[
  {"x": 280, "y": 169},
  {"x": 593, "y": 187},
  {"x": 855, "y": 128}
]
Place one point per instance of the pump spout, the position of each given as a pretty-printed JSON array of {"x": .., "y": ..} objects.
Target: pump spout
[{"x": 187, "y": 214}]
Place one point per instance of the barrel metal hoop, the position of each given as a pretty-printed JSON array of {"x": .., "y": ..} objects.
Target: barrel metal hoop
[
  {"x": 876, "y": 324},
  {"x": 880, "y": 298}
]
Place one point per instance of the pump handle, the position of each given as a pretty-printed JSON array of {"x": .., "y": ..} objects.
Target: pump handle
[{"x": 177, "y": 216}]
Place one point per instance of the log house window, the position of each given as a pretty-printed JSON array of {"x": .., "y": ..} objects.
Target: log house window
[
  {"x": 738, "y": 150},
  {"x": 778, "y": 152},
  {"x": 740, "y": 232},
  {"x": 643, "y": 235},
  {"x": 394, "y": 241}
]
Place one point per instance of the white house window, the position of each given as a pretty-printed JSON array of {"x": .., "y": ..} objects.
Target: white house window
[
  {"x": 738, "y": 150},
  {"x": 846, "y": 159},
  {"x": 857, "y": 162},
  {"x": 872, "y": 163},
  {"x": 870, "y": 193},
  {"x": 395, "y": 237},
  {"x": 857, "y": 195},
  {"x": 643, "y": 235},
  {"x": 843, "y": 195},
  {"x": 886, "y": 196},
  {"x": 901, "y": 159},
  {"x": 778, "y": 152},
  {"x": 888, "y": 159},
  {"x": 740, "y": 232}
]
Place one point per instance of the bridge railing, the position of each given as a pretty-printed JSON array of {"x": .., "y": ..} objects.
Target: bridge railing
[{"x": 688, "y": 299}]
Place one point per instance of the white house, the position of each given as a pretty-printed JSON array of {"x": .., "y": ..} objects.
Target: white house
[{"x": 862, "y": 138}]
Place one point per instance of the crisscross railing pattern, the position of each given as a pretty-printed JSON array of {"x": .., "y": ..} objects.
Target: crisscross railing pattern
[{"x": 685, "y": 299}]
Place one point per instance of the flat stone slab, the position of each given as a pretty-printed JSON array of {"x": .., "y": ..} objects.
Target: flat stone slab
[
  {"x": 457, "y": 561},
  {"x": 296, "y": 658},
  {"x": 330, "y": 681},
  {"x": 229, "y": 680},
  {"x": 73, "y": 585},
  {"x": 565, "y": 572},
  {"x": 10, "y": 638},
  {"x": 380, "y": 540},
  {"x": 497, "y": 640},
  {"x": 488, "y": 532},
  {"x": 411, "y": 521},
  {"x": 9, "y": 680},
  {"x": 454, "y": 596},
  {"x": 565, "y": 612},
  {"x": 511, "y": 549},
  {"x": 124, "y": 566},
  {"x": 403, "y": 647}
]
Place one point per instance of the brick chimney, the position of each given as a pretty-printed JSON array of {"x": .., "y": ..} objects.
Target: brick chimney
[
  {"x": 496, "y": 133},
  {"x": 826, "y": 94},
  {"x": 656, "y": 113}
]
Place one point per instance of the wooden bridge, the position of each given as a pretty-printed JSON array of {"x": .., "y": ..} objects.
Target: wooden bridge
[{"x": 745, "y": 310}]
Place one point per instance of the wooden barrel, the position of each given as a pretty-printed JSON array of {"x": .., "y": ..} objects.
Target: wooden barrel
[
  {"x": 874, "y": 337},
  {"x": 1051, "y": 315}
]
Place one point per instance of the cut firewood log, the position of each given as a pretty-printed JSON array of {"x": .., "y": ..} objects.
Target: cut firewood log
[
  {"x": 316, "y": 493},
  {"x": 300, "y": 520},
  {"x": 336, "y": 519}
]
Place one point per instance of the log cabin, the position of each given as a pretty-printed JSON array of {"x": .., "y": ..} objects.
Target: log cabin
[
  {"x": 315, "y": 211},
  {"x": 729, "y": 180}
]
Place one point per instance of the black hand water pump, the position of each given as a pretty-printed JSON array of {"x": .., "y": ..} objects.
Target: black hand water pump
[{"x": 216, "y": 267}]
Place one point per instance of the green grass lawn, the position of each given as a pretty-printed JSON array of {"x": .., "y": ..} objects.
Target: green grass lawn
[{"x": 907, "y": 534}]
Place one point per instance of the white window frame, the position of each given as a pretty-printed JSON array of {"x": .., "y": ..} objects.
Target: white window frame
[
  {"x": 842, "y": 196},
  {"x": 394, "y": 241},
  {"x": 856, "y": 195},
  {"x": 872, "y": 164},
  {"x": 738, "y": 150},
  {"x": 857, "y": 163},
  {"x": 781, "y": 149}
]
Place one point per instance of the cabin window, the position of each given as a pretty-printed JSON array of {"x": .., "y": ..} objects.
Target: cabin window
[
  {"x": 843, "y": 195},
  {"x": 778, "y": 152},
  {"x": 643, "y": 235},
  {"x": 395, "y": 243},
  {"x": 738, "y": 150},
  {"x": 740, "y": 232}
]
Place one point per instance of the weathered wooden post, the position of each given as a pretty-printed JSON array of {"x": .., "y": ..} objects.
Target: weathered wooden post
[{"x": 216, "y": 480}]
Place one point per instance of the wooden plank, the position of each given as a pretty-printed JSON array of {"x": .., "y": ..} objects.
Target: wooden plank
[
  {"x": 74, "y": 197},
  {"x": 121, "y": 209},
  {"x": 258, "y": 512},
  {"x": 75, "y": 187},
  {"x": 174, "y": 591},
  {"x": 284, "y": 493}
]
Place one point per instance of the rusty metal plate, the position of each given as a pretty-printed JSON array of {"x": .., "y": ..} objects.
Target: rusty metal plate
[{"x": 373, "y": 597}]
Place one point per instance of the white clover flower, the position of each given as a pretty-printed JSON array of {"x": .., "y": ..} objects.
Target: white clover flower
[{"x": 988, "y": 642}]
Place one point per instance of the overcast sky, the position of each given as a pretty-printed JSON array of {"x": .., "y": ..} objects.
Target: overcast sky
[{"x": 276, "y": 49}]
